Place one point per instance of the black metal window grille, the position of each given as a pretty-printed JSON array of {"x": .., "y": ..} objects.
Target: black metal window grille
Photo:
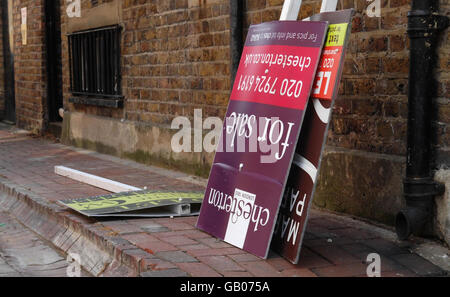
[{"x": 95, "y": 62}]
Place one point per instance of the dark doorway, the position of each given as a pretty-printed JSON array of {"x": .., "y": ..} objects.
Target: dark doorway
[
  {"x": 53, "y": 59},
  {"x": 8, "y": 61}
]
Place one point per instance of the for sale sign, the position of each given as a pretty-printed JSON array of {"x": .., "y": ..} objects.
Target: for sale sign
[
  {"x": 330, "y": 63},
  {"x": 300, "y": 186},
  {"x": 260, "y": 133}
]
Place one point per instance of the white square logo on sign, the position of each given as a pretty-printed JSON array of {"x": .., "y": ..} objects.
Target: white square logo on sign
[{"x": 239, "y": 220}]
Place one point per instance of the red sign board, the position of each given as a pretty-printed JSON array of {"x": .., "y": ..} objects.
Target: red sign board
[
  {"x": 327, "y": 73},
  {"x": 260, "y": 133}
]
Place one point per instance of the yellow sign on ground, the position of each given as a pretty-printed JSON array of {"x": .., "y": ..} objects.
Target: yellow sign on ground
[{"x": 127, "y": 203}]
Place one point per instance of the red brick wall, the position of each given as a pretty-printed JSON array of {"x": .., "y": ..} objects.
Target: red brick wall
[
  {"x": 442, "y": 111},
  {"x": 176, "y": 59},
  {"x": 29, "y": 66},
  {"x": 371, "y": 111},
  {"x": 101, "y": 111}
]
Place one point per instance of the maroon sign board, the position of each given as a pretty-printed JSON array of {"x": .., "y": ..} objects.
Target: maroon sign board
[
  {"x": 260, "y": 133},
  {"x": 297, "y": 198}
]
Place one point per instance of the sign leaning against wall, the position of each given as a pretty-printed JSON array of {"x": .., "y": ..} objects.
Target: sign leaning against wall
[
  {"x": 259, "y": 136},
  {"x": 292, "y": 219}
]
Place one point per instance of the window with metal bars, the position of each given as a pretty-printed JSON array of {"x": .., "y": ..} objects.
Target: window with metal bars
[{"x": 95, "y": 64}]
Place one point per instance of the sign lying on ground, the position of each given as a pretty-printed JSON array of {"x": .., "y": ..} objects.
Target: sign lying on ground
[
  {"x": 138, "y": 204},
  {"x": 258, "y": 140},
  {"x": 301, "y": 183}
]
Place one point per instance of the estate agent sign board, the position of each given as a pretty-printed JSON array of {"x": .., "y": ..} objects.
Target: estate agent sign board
[
  {"x": 142, "y": 203},
  {"x": 300, "y": 186},
  {"x": 260, "y": 134}
]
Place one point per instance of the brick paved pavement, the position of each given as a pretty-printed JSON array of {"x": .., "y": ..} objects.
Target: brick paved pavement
[{"x": 334, "y": 245}]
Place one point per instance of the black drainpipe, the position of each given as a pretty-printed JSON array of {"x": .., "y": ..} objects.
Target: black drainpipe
[
  {"x": 419, "y": 187},
  {"x": 53, "y": 59},
  {"x": 8, "y": 63},
  {"x": 236, "y": 35}
]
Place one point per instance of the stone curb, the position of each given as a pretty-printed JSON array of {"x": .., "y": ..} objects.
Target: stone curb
[{"x": 100, "y": 254}]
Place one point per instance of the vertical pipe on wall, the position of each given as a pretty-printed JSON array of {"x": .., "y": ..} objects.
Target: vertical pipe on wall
[
  {"x": 236, "y": 34},
  {"x": 424, "y": 25},
  {"x": 8, "y": 63},
  {"x": 53, "y": 59}
]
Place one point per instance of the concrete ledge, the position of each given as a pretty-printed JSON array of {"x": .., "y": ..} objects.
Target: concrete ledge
[
  {"x": 442, "y": 214},
  {"x": 111, "y": 102},
  {"x": 104, "y": 14},
  {"x": 140, "y": 142},
  {"x": 363, "y": 184}
]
